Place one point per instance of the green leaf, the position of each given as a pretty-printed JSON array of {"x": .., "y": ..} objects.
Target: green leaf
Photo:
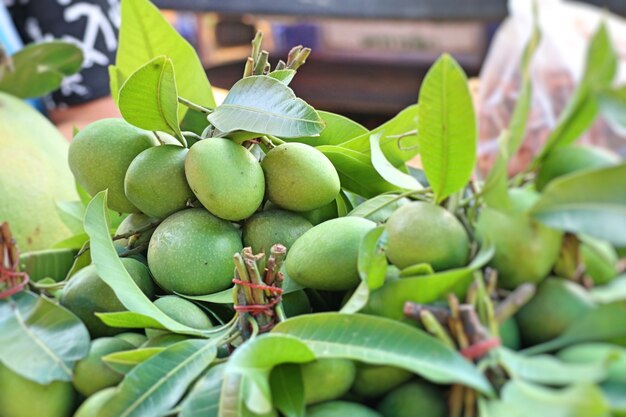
[
  {"x": 144, "y": 35},
  {"x": 72, "y": 242},
  {"x": 390, "y": 173},
  {"x": 203, "y": 400},
  {"x": 116, "y": 80},
  {"x": 356, "y": 172},
  {"x": 397, "y": 150},
  {"x": 39, "y": 69},
  {"x": 39, "y": 339},
  {"x": 447, "y": 128},
  {"x": 548, "y": 370},
  {"x": 51, "y": 263},
  {"x": 613, "y": 105},
  {"x": 253, "y": 363},
  {"x": 157, "y": 384},
  {"x": 611, "y": 292},
  {"x": 284, "y": 76},
  {"x": 75, "y": 210},
  {"x": 149, "y": 100},
  {"x": 379, "y": 208},
  {"x": 591, "y": 202},
  {"x": 581, "y": 110},
  {"x": 81, "y": 261},
  {"x": 123, "y": 362},
  {"x": 389, "y": 300},
  {"x": 380, "y": 341},
  {"x": 288, "y": 390},
  {"x": 263, "y": 105},
  {"x": 112, "y": 272},
  {"x": 615, "y": 394},
  {"x": 608, "y": 354},
  {"x": 604, "y": 323},
  {"x": 129, "y": 320},
  {"x": 338, "y": 129}
]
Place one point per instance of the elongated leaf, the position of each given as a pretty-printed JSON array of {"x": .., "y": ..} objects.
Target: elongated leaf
[
  {"x": 155, "y": 385},
  {"x": 144, "y": 35},
  {"x": 390, "y": 173},
  {"x": 254, "y": 361},
  {"x": 398, "y": 139},
  {"x": 123, "y": 362},
  {"x": 356, "y": 172},
  {"x": 389, "y": 300},
  {"x": 39, "y": 69},
  {"x": 149, "y": 99},
  {"x": 380, "y": 341},
  {"x": 447, "y": 128},
  {"x": 379, "y": 208},
  {"x": 284, "y": 76},
  {"x": 129, "y": 320},
  {"x": 581, "y": 110},
  {"x": 611, "y": 292},
  {"x": 261, "y": 104},
  {"x": 72, "y": 242},
  {"x": 591, "y": 202},
  {"x": 39, "y": 339},
  {"x": 203, "y": 400},
  {"x": 613, "y": 105},
  {"x": 338, "y": 129},
  {"x": 52, "y": 263},
  {"x": 288, "y": 390},
  {"x": 608, "y": 354},
  {"x": 548, "y": 370},
  {"x": 113, "y": 273}
]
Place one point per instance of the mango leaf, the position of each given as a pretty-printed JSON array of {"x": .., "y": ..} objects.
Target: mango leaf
[
  {"x": 591, "y": 202},
  {"x": 380, "y": 341},
  {"x": 35, "y": 336},
  {"x": 447, "y": 128},
  {"x": 611, "y": 355},
  {"x": 390, "y": 173},
  {"x": 126, "y": 360},
  {"x": 379, "y": 208},
  {"x": 113, "y": 273},
  {"x": 582, "y": 108},
  {"x": 611, "y": 292},
  {"x": 548, "y": 370},
  {"x": 144, "y": 35},
  {"x": 203, "y": 400},
  {"x": 51, "y": 263},
  {"x": 155, "y": 385},
  {"x": 81, "y": 261},
  {"x": 603, "y": 323},
  {"x": 39, "y": 69},
  {"x": 398, "y": 138},
  {"x": 149, "y": 100},
  {"x": 129, "y": 320},
  {"x": 263, "y": 105},
  {"x": 284, "y": 76},
  {"x": 288, "y": 390},
  {"x": 613, "y": 105},
  {"x": 338, "y": 129},
  {"x": 389, "y": 300},
  {"x": 356, "y": 172},
  {"x": 73, "y": 242},
  {"x": 253, "y": 362},
  {"x": 615, "y": 394}
]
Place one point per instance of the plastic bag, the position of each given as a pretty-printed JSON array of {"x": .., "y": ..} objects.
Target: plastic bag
[{"x": 556, "y": 68}]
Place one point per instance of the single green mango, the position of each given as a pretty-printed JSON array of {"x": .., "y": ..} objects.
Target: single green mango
[
  {"x": 263, "y": 230},
  {"x": 425, "y": 233},
  {"x": 509, "y": 334},
  {"x": 92, "y": 405},
  {"x": 155, "y": 181},
  {"x": 340, "y": 408},
  {"x": 100, "y": 154},
  {"x": 299, "y": 177},
  {"x": 21, "y": 397},
  {"x": 91, "y": 374},
  {"x": 191, "y": 252},
  {"x": 226, "y": 178},
  {"x": 325, "y": 257},
  {"x": 414, "y": 398},
  {"x": 321, "y": 214},
  {"x": 375, "y": 380},
  {"x": 327, "y": 379},
  {"x": 556, "y": 305},
  {"x": 296, "y": 303},
  {"x": 181, "y": 310},
  {"x": 86, "y": 294}
]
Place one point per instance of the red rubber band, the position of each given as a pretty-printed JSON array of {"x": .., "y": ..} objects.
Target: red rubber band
[
  {"x": 14, "y": 282},
  {"x": 270, "y": 288},
  {"x": 480, "y": 349}
]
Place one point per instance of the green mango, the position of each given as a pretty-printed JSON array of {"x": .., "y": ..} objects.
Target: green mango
[
  {"x": 509, "y": 334},
  {"x": 414, "y": 398},
  {"x": 296, "y": 303},
  {"x": 263, "y": 230},
  {"x": 34, "y": 177},
  {"x": 573, "y": 158},
  {"x": 299, "y": 177},
  {"x": 556, "y": 304},
  {"x": 133, "y": 222},
  {"x": 321, "y": 214},
  {"x": 226, "y": 178},
  {"x": 100, "y": 154},
  {"x": 191, "y": 252},
  {"x": 525, "y": 250},
  {"x": 181, "y": 310},
  {"x": 372, "y": 381},
  {"x": 91, "y": 374},
  {"x": 327, "y": 379},
  {"x": 155, "y": 181},
  {"x": 325, "y": 257},
  {"x": 135, "y": 339},
  {"x": 425, "y": 233},
  {"x": 86, "y": 294},
  {"x": 340, "y": 408},
  {"x": 92, "y": 405},
  {"x": 20, "y": 397}
]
